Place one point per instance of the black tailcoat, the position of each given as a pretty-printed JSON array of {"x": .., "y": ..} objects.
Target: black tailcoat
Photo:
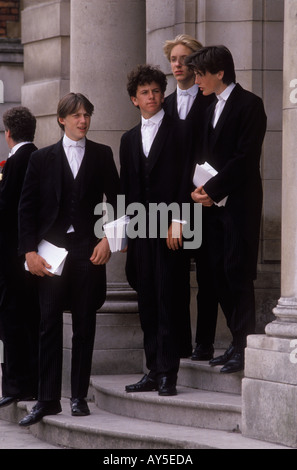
[
  {"x": 155, "y": 272},
  {"x": 19, "y": 307},
  {"x": 233, "y": 148},
  {"x": 82, "y": 285}
]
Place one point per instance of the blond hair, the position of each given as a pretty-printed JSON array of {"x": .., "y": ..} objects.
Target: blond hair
[{"x": 183, "y": 39}]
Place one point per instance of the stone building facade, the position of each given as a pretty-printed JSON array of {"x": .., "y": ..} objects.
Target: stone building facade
[
  {"x": 89, "y": 46},
  {"x": 84, "y": 45}
]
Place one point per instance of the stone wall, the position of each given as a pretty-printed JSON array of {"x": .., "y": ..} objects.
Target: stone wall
[
  {"x": 11, "y": 62},
  {"x": 90, "y": 46},
  {"x": 46, "y": 39}
]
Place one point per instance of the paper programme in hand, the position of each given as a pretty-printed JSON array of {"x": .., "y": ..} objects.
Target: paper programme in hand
[
  {"x": 116, "y": 233},
  {"x": 202, "y": 174},
  {"x": 54, "y": 255}
]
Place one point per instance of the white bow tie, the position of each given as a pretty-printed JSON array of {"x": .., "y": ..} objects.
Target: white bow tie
[
  {"x": 184, "y": 93},
  {"x": 75, "y": 153},
  {"x": 75, "y": 145},
  {"x": 148, "y": 123}
]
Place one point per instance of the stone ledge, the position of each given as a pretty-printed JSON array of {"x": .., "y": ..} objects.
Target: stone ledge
[
  {"x": 269, "y": 411},
  {"x": 45, "y": 21},
  {"x": 269, "y": 359},
  {"x": 11, "y": 51},
  {"x": 104, "y": 430}
]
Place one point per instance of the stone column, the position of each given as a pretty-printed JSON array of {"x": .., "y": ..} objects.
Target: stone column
[
  {"x": 107, "y": 40},
  {"x": 270, "y": 385}
]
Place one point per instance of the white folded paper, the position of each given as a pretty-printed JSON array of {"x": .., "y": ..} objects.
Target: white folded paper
[
  {"x": 54, "y": 255},
  {"x": 116, "y": 233},
  {"x": 202, "y": 174}
]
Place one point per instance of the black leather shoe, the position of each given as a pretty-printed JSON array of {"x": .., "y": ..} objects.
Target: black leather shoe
[
  {"x": 39, "y": 411},
  {"x": 235, "y": 364},
  {"x": 146, "y": 384},
  {"x": 79, "y": 407},
  {"x": 5, "y": 401},
  {"x": 202, "y": 353},
  {"x": 167, "y": 386},
  {"x": 221, "y": 360}
]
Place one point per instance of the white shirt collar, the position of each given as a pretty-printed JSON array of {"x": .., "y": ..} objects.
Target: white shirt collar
[
  {"x": 16, "y": 147},
  {"x": 75, "y": 143},
  {"x": 226, "y": 93},
  {"x": 193, "y": 90},
  {"x": 155, "y": 119}
]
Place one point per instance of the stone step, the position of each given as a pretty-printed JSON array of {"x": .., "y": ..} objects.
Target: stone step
[
  {"x": 190, "y": 407},
  {"x": 200, "y": 375},
  {"x": 105, "y": 430}
]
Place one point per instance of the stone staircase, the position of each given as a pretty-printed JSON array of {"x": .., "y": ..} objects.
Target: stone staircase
[{"x": 205, "y": 414}]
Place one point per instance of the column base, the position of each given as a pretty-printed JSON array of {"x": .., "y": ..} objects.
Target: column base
[
  {"x": 269, "y": 390},
  {"x": 285, "y": 325}
]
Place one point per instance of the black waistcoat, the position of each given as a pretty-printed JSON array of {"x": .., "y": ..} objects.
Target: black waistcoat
[
  {"x": 145, "y": 179},
  {"x": 70, "y": 193}
]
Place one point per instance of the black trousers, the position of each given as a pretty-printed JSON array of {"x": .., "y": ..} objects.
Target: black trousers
[
  {"x": 19, "y": 327},
  {"x": 184, "y": 341},
  {"x": 82, "y": 289},
  {"x": 162, "y": 277},
  {"x": 230, "y": 263},
  {"x": 207, "y": 298}
]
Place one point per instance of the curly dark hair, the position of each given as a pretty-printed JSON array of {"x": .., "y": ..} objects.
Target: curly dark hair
[
  {"x": 21, "y": 123},
  {"x": 145, "y": 74}
]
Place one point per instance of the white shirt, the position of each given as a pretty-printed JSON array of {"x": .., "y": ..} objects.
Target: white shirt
[
  {"x": 74, "y": 151},
  {"x": 16, "y": 147},
  {"x": 185, "y": 100},
  {"x": 149, "y": 129},
  {"x": 222, "y": 98}
]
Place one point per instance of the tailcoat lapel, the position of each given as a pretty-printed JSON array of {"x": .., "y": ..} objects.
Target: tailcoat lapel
[
  {"x": 56, "y": 165},
  {"x": 86, "y": 170},
  {"x": 174, "y": 112},
  {"x": 196, "y": 107},
  {"x": 136, "y": 147},
  {"x": 157, "y": 145}
]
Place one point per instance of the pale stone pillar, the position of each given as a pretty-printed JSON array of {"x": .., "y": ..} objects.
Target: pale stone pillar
[
  {"x": 270, "y": 387},
  {"x": 107, "y": 40},
  {"x": 286, "y": 310}
]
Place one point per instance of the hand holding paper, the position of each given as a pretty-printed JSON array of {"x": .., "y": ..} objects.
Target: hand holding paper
[
  {"x": 116, "y": 233},
  {"x": 54, "y": 255},
  {"x": 201, "y": 197},
  {"x": 202, "y": 174}
]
